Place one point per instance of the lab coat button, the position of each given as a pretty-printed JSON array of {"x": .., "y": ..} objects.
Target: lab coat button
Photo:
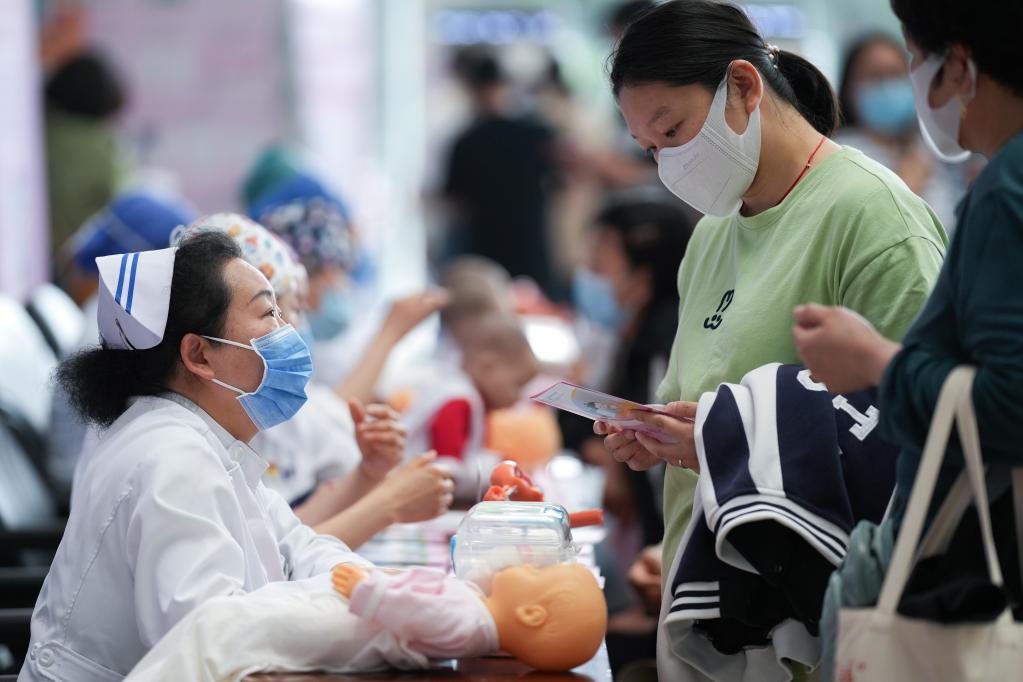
[{"x": 45, "y": 657}]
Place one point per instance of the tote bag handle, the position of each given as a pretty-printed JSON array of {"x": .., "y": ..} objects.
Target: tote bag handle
[{"x": 954, "y": 403}]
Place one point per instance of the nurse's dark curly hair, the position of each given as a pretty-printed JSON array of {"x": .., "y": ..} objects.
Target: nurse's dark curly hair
[
  {"x": 989, "y": 29},
  {"x": 99, "y": 381},
  {"x": 686, "y": 42}
]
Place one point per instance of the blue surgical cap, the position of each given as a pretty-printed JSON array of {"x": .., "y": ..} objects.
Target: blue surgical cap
[
  {"x": 133, "y": 221},
  {"x": 299, "y": 187}
]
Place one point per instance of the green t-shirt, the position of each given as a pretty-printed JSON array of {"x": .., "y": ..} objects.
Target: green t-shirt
[{"x": 851, "y": 233}]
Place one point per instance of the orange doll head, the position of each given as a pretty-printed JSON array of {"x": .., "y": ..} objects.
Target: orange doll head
[{"x": 551, "y": 618}]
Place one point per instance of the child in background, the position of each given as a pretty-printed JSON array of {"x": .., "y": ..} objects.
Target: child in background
[
  {"x": 477, "y": 286},
  {"x": 449, "y": 415}
]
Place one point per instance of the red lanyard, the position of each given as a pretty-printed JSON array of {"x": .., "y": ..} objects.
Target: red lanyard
[{"x": 802, "y": 172}]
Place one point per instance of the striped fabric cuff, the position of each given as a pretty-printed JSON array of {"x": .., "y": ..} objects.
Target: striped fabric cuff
[{"x": 827, "y": 538}]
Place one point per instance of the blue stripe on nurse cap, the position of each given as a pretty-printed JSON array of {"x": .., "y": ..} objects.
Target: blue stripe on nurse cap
[{"x": 134, "y": 296}]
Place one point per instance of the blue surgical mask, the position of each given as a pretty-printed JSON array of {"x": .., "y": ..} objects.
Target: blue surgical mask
[
  {"x": 594, "y": 298},
  {"x": 335, "y": 313},
  {"x": 287, "y": 366},
  {"x": 887, "y": 106}
]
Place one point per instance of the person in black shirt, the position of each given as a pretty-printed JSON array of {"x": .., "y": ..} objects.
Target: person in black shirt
[{"x": 499, "y": 176}]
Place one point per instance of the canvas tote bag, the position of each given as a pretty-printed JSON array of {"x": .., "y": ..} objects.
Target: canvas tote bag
[{"x": 877, "y": 644}]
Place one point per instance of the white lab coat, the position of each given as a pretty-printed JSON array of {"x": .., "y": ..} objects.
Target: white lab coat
[
  {"x": 169, "y": 512},
  {"x": 316, "y": 445}
]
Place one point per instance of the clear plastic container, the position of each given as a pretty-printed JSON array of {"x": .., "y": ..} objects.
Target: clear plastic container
[{"x": 497, "y": 535}]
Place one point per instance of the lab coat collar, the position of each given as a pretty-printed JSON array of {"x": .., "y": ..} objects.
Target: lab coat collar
[{"x": 252, "y": 465}]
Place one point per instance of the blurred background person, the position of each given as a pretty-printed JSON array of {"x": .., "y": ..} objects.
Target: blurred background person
[
  {"x": 135, "y": 220},
  {"x": 322, "y": 238},
  {"x": 84, "y": 163},
  {"x": 878, "y": 118},
  {"x": 499, "y": 176},
  {"x": 621, "y": 14},
  {"x": 452, "y": 401},
  {"x": 637, "y": 242}
]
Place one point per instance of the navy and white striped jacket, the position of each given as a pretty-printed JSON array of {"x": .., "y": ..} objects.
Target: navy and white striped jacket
[{"x": 786, "y": 470}]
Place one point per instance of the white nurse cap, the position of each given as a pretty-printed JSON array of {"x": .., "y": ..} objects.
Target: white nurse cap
[{"x": 134, "y": 296}]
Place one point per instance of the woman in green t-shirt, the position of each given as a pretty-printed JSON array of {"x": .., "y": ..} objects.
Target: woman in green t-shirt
[{"x": 740, "y": 132}]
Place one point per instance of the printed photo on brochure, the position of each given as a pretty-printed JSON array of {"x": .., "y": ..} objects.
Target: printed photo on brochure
[{"x": 599, "y": 406}]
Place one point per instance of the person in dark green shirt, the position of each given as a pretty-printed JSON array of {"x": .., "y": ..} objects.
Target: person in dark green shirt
[
  {"x": 975, "y": 313},
  {"x": 969, "y": 94}
]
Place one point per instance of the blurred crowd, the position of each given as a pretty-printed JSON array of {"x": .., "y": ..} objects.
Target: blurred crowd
[{"x": 556, "y": 257}]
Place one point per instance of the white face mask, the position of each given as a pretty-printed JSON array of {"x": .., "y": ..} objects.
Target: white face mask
[
  {"x": 940, "y": 127},
  {"x": 712, "y": 171}
]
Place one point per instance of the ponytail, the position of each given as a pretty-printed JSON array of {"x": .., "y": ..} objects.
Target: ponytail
[
  {"x": 811, "y": 94},
  {"x": 685, "y": 42}
]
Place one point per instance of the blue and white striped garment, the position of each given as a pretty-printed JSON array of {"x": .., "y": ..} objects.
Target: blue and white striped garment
[{"x": 786, "y": 470}]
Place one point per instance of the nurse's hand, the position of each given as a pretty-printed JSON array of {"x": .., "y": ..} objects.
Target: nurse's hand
[
  {"x": 841, "y": 349},
  {"x": 380, "y": 436},
  {"x": 678, "y": 428},
  {"x": 406, "y": 313},
  {"x": 418, "y": 490}
]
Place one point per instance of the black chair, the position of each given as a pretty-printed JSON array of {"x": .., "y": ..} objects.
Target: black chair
[
  {"x": 60, "y": 321},
  {"x": 29, "y": 535},
  {"x": 26, "y": 367},
  {"x": 27, "y": 364},
  {"x": 20, "y": 586},
  {"x": 31, "y": 525},
  {"x": 29, "y": 522}
]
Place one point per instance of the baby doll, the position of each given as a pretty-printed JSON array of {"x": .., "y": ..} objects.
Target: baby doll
[{"x": 552, "y": 618}]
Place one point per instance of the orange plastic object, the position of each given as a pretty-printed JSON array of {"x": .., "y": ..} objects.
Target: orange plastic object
[
  {"x": 528, "y": 434},
  {"x": 497, "y": 493},
  {"x": 589, "y": 517},
  {"x": 509, "y": 475}
]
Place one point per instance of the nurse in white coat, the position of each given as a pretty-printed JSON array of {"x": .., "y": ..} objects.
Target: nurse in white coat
[
  {"x": 169, "y": 510},
  {"x": 333, "y": 460}
]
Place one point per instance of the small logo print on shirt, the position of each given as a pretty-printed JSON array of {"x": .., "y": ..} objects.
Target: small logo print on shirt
[{"x": 715, "y": 320}]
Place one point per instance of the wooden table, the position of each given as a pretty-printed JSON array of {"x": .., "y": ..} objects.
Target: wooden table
[{"x": 488, "y": 669}]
